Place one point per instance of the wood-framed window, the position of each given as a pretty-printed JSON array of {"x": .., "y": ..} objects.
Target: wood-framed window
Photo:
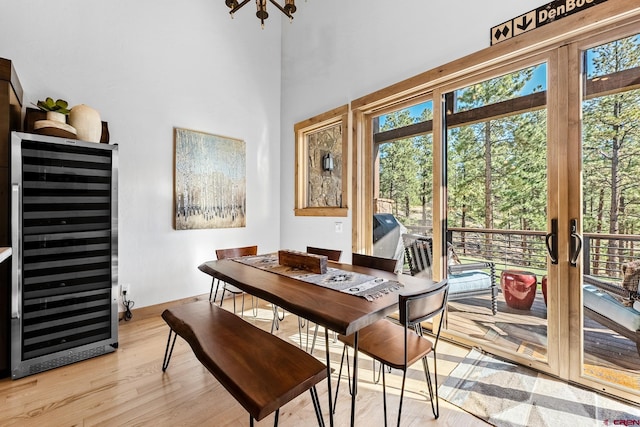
[{"x": 321, "y": 184}]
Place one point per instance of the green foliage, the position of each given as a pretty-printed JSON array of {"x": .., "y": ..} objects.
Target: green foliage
[
  {"x": 611, "y": 145},
  {"x": 59, "y": 106},
  {"x": 497, "y": 169},
  {"x": 406, "y": 169},
  {"x": 512, "y": 195}
]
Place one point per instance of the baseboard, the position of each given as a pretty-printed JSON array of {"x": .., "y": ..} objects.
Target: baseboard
[{"x": 156, "y": 310}]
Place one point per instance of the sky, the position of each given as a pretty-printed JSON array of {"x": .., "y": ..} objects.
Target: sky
[{"x": 538, "y": 79}]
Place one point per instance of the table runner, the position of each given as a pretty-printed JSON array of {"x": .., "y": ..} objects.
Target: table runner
[{"x": 362, "y": 285}]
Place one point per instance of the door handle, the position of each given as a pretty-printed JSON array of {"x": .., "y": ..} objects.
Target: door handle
[
  {"x": 575, "y": 243},
  {"x": 551, "y": 240}
]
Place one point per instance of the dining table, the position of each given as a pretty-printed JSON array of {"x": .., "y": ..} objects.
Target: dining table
[{"x": 335, "y": 310}]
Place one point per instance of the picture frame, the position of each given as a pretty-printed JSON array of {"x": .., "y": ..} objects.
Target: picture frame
[{"x": 209, "y": 181}]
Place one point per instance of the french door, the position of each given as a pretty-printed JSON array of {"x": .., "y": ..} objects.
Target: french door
[
  {"x": 529, "y": 160},
  {"x": 501, "y": 161},
  {"x": 542, "y": 161},
  {"x": 603, "y": 164}
]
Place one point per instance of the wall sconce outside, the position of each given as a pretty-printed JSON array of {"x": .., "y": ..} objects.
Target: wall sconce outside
[{"x": 327, "y": 162}]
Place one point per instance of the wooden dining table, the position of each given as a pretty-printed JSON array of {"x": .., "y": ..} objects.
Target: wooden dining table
[{"x": 335, "y": 310}]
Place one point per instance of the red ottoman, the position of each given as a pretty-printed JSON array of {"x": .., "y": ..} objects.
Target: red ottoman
[
  {"x": 544, "y": 288},
  {"x": 518, "y": 288}
]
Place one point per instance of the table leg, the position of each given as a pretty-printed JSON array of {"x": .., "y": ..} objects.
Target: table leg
[
  {"x": 326, "y": 343},
  {"x": 355, "y": 378}
]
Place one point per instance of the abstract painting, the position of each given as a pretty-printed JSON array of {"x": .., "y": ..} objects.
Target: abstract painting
[{"x": 210, "y": 181}]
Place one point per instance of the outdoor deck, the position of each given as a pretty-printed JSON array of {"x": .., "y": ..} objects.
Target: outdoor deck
[{"x": 607, "y": 355}]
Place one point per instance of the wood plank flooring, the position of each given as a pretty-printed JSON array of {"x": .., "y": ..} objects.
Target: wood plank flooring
[
  {"x": 525, "y": 331},
  {"x": 129, "y": 388}
]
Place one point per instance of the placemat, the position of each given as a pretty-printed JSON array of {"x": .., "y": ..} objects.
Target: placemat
[{"x": 349, "y": 282}]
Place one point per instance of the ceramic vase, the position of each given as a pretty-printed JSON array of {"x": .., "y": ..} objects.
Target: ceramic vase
[
  {"x": 54, "y": 116},
  {"x": 87, "y": 122}
]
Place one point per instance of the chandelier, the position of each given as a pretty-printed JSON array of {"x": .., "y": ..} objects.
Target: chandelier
[{"x": 262, "y": 14}]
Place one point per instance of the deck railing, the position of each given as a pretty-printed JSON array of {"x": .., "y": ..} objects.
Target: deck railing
[{"x": 603, "y": 254}]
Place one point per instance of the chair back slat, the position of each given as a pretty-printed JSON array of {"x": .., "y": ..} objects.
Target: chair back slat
[
  {"x": 420, "y": 306},
  {"x": 418, "y": 251},
  {"x": 370, "y": 261},
  {"x": 331, "y": 254},
  {"x": 236, "y": 252}
]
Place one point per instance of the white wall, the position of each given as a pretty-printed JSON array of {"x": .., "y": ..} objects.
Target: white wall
[
  {"x": 151, "y": 65},
  {"x": 148, "y": 66},
  {"x": 336, "y": 51}
]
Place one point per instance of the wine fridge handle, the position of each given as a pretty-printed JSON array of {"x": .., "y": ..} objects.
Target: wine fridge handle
[{"x": 16, "y": 275}]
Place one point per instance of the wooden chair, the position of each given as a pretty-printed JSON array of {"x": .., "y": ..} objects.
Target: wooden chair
[
  {"x": 370, "y": 261},
  {"x": 331, "y": 254},
  {"x": 395, "y": 346},
  {"x": 232, "y": 253},
  {"x": 379, "y": 263}
]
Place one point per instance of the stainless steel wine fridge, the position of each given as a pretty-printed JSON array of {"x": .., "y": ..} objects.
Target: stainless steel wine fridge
[{"x": 64, "y": 291}]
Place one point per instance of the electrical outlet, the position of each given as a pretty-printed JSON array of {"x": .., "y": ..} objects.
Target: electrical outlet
[
  {"x": 338, "y": 227},
  {"x": 124, "y": 288}
]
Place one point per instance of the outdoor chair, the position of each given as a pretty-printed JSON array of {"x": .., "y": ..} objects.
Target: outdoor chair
[
  {"x": 465, "y": 279},
  {"x": 604, "y": 302},
  {"x": 394, "y": 346},
  {"x": 232, "y": 253}
]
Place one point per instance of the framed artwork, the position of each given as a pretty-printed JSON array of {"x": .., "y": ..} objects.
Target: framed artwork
[
  {"x": 321, "y": 172},
  {"x": 210, "y": 181}
]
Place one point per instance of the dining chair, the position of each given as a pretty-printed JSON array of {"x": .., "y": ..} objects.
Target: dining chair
[
  {"x": 379, "y": 263},
  {"x": 370, "y": 261},
  {"x": 226, "y": 287},
  {"x": 395, "y": 346},
  {"x": 331, "y": 254}
]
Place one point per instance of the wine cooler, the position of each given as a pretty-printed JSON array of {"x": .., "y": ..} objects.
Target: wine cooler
[{"x": 64, "y": 237}]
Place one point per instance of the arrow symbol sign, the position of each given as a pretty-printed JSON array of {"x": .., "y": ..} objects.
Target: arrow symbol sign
[{"x": 525, "y": 23}]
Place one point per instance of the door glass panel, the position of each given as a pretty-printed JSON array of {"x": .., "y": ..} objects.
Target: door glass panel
[
  {"x": 611, "y": 212},
  {"x": 403, "y": 177},
  {"x": 497, "y": 198}
]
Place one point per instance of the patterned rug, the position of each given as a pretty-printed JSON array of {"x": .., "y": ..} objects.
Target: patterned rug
[
  {"x": 349, "y": 282},
  {"x": 506, "y": 394}
]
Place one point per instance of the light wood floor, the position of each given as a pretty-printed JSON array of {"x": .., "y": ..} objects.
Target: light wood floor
[{"x": 129, "y": 388}]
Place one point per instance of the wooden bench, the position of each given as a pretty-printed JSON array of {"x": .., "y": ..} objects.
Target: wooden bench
[{"x": 261, "y": 371}]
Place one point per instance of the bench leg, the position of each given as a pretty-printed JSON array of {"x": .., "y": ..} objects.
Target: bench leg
[
  {"x": 169, "y": 351},
  {"x": 211, "y": 293},
  {"x": 316, "y": 405}
]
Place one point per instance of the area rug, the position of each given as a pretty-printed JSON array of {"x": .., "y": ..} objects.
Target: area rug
[{"x": 506, "y": 394}]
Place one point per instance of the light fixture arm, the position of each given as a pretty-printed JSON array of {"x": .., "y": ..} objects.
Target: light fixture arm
[
  {"x": 237, "y": 7},
  {"x": 281, "y": 8},
  {"x": 288, "y": 9}
]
